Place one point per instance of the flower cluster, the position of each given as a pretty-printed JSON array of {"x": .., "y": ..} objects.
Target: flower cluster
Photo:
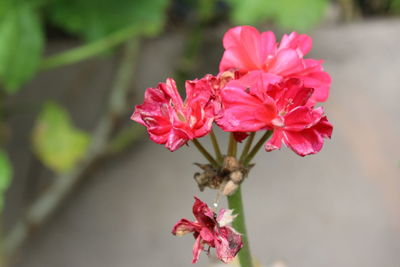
[
  {"x": 262, "y": 85},
  {"x": 212, "y": 230}
]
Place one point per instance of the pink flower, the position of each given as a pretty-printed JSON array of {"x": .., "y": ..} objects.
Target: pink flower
[
  {"x": 247, "y": 105},
  {"x": 171, "y": 121},
  {"x": 211, "y": 230},
  {"x": 247, "y": 49},
  {"x": 298, "y": 126},
  {"x": 257, "y": 101}
]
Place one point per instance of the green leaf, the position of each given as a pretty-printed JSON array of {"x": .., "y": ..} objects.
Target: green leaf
[
  {"x": 21, "y": 44},
  {"x": 5, "y": 176},
  {"x": 94, "y": 19},
  {"x": 394, "y": 6},
  {"x": 57, "y": 143},
  {"x": 292, "y": 15}
]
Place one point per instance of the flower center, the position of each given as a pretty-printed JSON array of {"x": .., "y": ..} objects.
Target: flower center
[{"x": 279, "y": 121}]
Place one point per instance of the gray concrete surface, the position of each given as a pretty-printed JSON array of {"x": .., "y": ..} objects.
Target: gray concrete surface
[{"x": 338, "y": 208}]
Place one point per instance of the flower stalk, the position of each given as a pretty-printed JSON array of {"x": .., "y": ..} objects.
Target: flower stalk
[
  {"x": 257, "y": 147},
  {"x": 205, "y": 153},
  {"x": 235, "y": 202},
  {"x": 215, "y": 144},
  {"x": 232, "y": 147},
  {"x": 247, "y": 146}
]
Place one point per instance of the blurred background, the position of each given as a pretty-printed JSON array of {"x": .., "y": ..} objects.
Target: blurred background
[{"x": 81, "y": 184}]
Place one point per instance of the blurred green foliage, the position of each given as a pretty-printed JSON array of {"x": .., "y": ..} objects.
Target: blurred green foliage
[
  {"x": 94, "y": 19},
  {"x": 57, "y": 143},
  {"x": 395, "y": 6},
  {"x": 22, "y": 38},
  {"x": 5, "y": 176},
  {"x": 297, "y": 15},
  {"x": 21, "y": 44}
]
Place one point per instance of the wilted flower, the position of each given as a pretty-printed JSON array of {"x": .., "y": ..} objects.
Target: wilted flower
[{"x": 212, "y": 230}]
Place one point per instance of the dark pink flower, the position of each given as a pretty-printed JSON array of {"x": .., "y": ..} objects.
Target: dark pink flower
[
  {"x": 259, "y": 101},
  {"x": 247, "y": 105},
  {"x": 212, "y": 85},
  {"x": 212, "y": 230},
  {"x": 300, "y": 127},
  {"x": 247, "y": 49},
  {"x": 171, "y": 121}
]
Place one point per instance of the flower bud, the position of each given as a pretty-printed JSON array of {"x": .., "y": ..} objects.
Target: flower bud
[
  {"x": 230, "y": 188},
  {"x": 236, "y": 177},
  {"x": 230, "y": 163}
]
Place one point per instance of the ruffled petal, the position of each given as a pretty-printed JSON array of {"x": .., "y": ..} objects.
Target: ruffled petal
[
  {"x": 176, "y": 139},
  {"x": 184, "y": 227},
  {"x": 203, "y": 214},
  {"x": 305, "y": 142},
  {"x": 324, "y": 127},
  {"x": 207, "y": 235},
  {"x": 302, "y": 43},
  {"x": 246, "y": 49},
  {"x": 228, "y": 244},
  {"x": 169, "y": 88},
  {"x": 275, "y": 142},
  {"x": 287, "y": 61},
  {"x": 244, "y": 112},
  {"x": 225, "y": 217},
  {"x": 197, "y": 248},
  {"x": 313, "y": 76},
  {"x": 302, "y": 117}
]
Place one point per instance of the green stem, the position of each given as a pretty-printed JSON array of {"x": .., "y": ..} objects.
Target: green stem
[
  {"x": 205, "y": 153},
  {"x": 232, "y": 147},
  {"x": 216, "y": 146},
  {"x": 247, "y": 146},
  {"x": 235, "y": 202},
  {"x": 257, "y": 147},
  {"x": 89, "y": 50},
  {"x": 124, "y": 77}
]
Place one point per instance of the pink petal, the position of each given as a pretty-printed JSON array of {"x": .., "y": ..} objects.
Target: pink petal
[
  {"x": 305, "y": 142},
  {"x": 207, "y": 236},
  {"x": 313, "y": 76},
  {"x": 169, "y": 88},
  {"x": 257, "y": 82},
  {"x": 228, "y": 244},
  {"x": 199, "y": 91},
  {"x": 292, "y": 94},
  {"x": 176, "y": 139},
  {"x": 183, "y": 227},
  {"x": 275, "y": 142},
  {"x": 321, "y": 81},
  {"x": 268, "y": 45},
  {"x": 324, "y": 128},
  {"x": 287, "y": 61},
  {"x": 225, "y": 217},
  {"x": 197, "y": 248},
  {"x": 301, "y": 118},
  {"x": 302, "y": 43},
  {"x": 204, "y": 215},
  {"x": 246, "y": 49},
  {"x": 244, "y": 112}
]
